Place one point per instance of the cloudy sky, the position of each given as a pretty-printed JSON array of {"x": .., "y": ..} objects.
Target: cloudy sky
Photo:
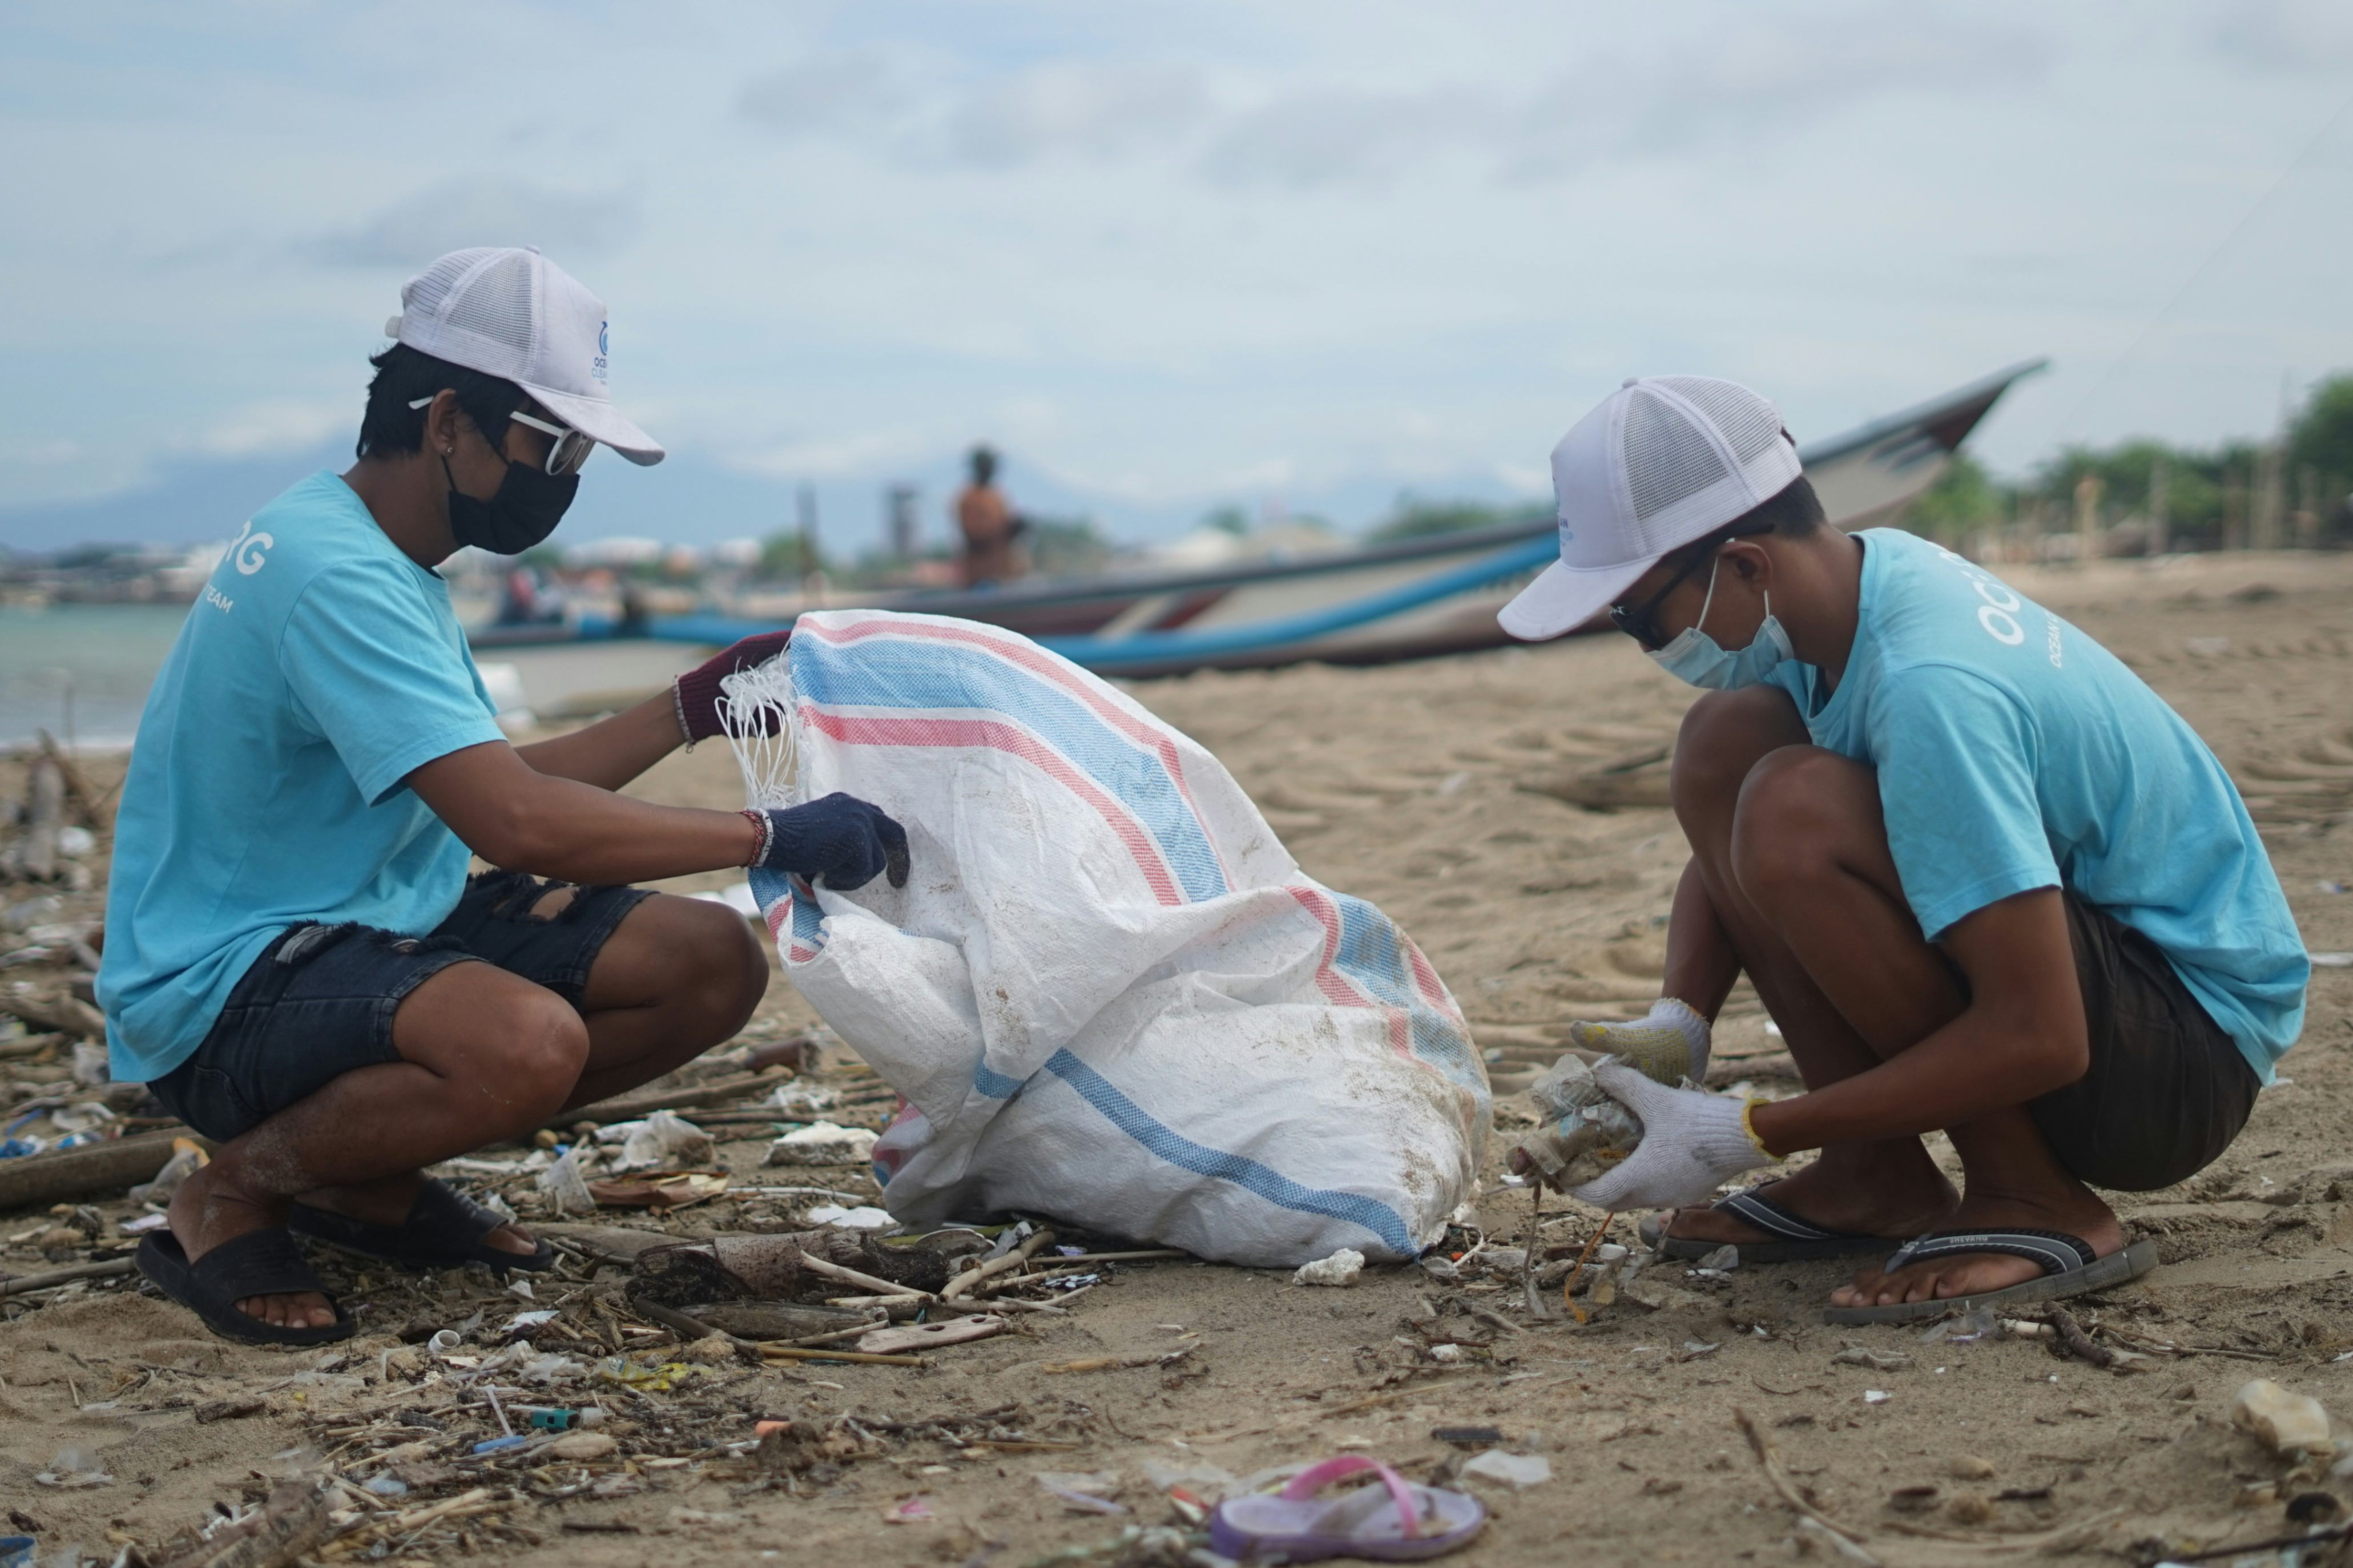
[{"x": 1172, "y": 254}]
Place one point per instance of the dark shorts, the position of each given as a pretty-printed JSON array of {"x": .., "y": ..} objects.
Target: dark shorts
[
  {"x": 319, "y": 1001},
  {"x": 2168, "y": 1090}
]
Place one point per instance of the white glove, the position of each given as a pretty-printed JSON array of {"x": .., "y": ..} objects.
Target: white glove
[
  {"x": 1669, "y": 1044},
  {"x": 1692, "y": 1141}
]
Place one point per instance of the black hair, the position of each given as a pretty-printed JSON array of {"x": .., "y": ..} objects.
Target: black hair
[
  {"x": 984, "y": 464},
  {"x": 1794, "y": 512},
  {"x": 403, "y": 375}
]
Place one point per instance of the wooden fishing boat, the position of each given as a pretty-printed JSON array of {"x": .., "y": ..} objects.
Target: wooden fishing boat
[{"x": 1410, "y": 599}]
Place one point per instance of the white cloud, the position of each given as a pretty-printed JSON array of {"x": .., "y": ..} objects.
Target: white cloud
[
  {"x": 2295, "y": 36},
  {"x": 1099, "y": 110},
  {"x": 274, "y": 426},
  {"x": 484, "y": 210},
  {"x": 830, "y": 92}
]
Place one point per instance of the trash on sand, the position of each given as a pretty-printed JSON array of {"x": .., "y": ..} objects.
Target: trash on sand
[
  {"x": 1876, "y": 1397},
  {"x": 798, "y": 1101},
  {"x": 1878, "y": 1361},
  {"x": 1967, "y": 1329},
  {"x": 2285, "y": 1423},
  {"x": 1080, "y": 1490},
  {"x": 1395, "y": 1519},
  {"x": 922, "y": 1336},
  {"x": 1467, "y": 1436},
  {"x": 914, "y": 1511},
  {"x": 1723, "y": 1261},
  {"x": 582, "y": 1446},
  {"x": 662, "y": 1142},
  {"x": 566, "y": 1185},
  {"x": 2331, "y": 960},
  {"x": 1586, "y": 1133},
  {"x": 823, "y": 1143},
  {"x": 1341, "y": 1268},
  {"x": 17, "y": 1551},
  {"x": 1516, "y": 1471},
  {"x": 659, "y": 1189},
  {"x": 386, "y": 1485},
  {"x": 74, "y": 1467},
  {"x": 865, "y": 1216},
  {"x": 187, "y": 1158}
]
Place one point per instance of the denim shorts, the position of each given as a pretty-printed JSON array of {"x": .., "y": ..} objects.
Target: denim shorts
[
  {"x": 2167, "y": 1088},
  {"x": 319, "y": 1001}
]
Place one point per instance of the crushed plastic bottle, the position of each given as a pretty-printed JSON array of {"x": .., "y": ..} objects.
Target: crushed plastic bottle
[{"x": 1586, "y": 1131}]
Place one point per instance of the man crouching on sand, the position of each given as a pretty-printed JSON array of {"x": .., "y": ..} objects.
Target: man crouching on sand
[
  {"x": 297, "y": 963},
  {"x": 1984, "y": 879}
]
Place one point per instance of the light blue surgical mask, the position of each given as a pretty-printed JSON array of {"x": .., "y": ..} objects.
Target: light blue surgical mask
[{"x": 1694, "y": 657}]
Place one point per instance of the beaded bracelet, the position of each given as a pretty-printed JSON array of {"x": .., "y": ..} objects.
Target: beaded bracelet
[{"x": 759, "y": 819}]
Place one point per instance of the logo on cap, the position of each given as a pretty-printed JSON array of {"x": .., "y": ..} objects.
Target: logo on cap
[{"x": 603, "y": 349}]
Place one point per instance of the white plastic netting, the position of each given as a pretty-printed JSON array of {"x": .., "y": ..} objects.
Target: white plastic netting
[{"x": 757, "y": 714}]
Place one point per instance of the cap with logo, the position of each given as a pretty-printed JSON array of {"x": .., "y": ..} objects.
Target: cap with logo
[
  {"x": 1665, "y": 461},
  {"x": 511, "y": 313}
]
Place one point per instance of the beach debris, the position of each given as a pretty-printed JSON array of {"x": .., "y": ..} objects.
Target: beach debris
[
  {"x": 1467, "y": 1436},
  {"x": 659, "y": 1189},
  {"x": 863, "y": 1216},
  {"x": 2290, "y": 1424},
  {"x": 288, "y": 1525},
  {"x": 1845, "y": 1539},
  {"x": 74, "y": 1467},
  {"x": 17, "y": 1551},
  {"x": 794, "y": 1265},
  {"x": 1878, "y": 1361},
  {"x": 1914, "y": 1499},
  {"x": 823, "y": 1143},
  {"x": 926, "y": 1336},
  {"x": 1518, "y": 1471},
  {"x": 662, "y": 1142},
  {"x": 581, "y": 1446},
  {"x": 1081, "y": 1491},
  {"x": 1341, "y": 1268},
  {"x": 798, "y": 1101},
  {"x": 566, "y": 1183},
  {"x": 914, "y": 1510},
  {"x": 1586, "y": 1131},
  {"x": 59, "y": 1014},
  {"x": 1970, "y": 1467},
  {"x": 1723, "y": 1261},
  {"x": 188, "y": 1156},
  {"x": 1876, "y": 1397}
]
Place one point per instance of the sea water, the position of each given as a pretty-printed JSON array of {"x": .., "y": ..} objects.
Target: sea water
[{"x": 80, "y": 668}]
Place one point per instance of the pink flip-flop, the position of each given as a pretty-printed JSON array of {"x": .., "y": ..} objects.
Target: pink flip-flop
[{"x": 1294, "y": 1525}]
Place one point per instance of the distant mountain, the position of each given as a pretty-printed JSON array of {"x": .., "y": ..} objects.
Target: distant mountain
[{"x": 686, "y": 500}]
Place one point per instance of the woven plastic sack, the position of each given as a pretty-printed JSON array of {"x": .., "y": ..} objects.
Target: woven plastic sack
[{"x": 1107, "y": 993}]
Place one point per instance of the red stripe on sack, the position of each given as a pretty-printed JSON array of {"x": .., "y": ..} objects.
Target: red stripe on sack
[
  {"x": 866, "y": 729},
  {"x": 1029, "y": 655},
  {"x": 1338, "y": 987}
]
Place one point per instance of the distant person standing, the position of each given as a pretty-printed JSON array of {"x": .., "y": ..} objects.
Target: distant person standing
[{"x": 988, "y": 525}]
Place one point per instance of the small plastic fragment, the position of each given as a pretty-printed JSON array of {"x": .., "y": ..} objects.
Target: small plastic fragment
[
  {"x": 1518, "y": 1471},
  {"x": 2282, "y": 1421},
  {"x": 1878, "y": 1361},
  {"x": 583, "y": 1446},
  {"x": 823, "y": 1143},
  {"x": 1341, "y": 1268}
]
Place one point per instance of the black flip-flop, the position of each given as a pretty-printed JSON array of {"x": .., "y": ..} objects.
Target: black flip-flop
[
  {"x": 444, "y": 1230},
  {"x": 259, "y": 1263},
  {"x": 1798, "y": 1237},
  {"x": 2070, "y": 1268}
]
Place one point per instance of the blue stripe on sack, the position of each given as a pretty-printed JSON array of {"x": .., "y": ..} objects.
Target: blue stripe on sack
[
  {"x": 918, "y": 674},
  {"x": 808, "y": 921},
  {"x": 1371, "y": 954},
  {"x": 1249, "y": 1175},
  {"x": 995, "y": 1085}
]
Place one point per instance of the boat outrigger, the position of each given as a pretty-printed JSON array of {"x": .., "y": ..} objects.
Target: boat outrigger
[{"x": 1410, "y": 599}]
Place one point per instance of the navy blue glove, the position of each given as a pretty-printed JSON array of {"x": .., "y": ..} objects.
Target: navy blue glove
[{"x": 839, "y": 839}]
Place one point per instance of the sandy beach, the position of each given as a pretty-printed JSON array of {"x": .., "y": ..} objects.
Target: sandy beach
[{"x": 1435, "y": 790}]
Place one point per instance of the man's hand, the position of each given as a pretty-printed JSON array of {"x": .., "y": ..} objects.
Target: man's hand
[
  {"x": 1692, "y": 1141},
  {"x": 696, "y": 693},
  {"x": 839, "y": 839},
  {"x": 1669, "y": 1044}
]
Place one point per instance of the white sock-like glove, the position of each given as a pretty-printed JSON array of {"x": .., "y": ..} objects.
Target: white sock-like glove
[
  {"x": 1692, "y": 1142},
  {"x": 1670, "y": 1043}
]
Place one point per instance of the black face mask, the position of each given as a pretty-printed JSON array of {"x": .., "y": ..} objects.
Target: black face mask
[{"x": 529, "y": 505}]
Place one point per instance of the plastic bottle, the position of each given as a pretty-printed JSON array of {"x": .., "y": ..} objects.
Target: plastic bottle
[{"x": 1585, "y": 1132}]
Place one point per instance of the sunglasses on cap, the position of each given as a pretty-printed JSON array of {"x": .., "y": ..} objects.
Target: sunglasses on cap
[
  {"x": 1640, "y": 621},
  {"x": 567, "y": 448}
]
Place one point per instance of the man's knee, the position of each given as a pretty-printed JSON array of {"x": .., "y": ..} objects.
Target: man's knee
[
  {"x": 1803, "y": 813},
  {"x": 719, "y": 967},
  {"x": 1724, "y": 735},
  {"x": 543, "y": 1048}
]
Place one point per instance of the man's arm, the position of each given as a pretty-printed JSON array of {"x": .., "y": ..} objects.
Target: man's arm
[
  {"x": 2021, "y": 1036},
  {"x": 609, "y": 752},
  {"x": 519, "y": 818}
]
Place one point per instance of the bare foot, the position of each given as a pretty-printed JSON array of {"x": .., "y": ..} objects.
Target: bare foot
[
  {"x": 209, "y": 1209},
  {"x": 387, "y": 1202},
  {"x": 2071, "y": 1208},
  {"x": 1876, "y": 1191}
]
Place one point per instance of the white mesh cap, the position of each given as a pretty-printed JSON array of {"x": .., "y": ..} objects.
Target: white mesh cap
[
  {"x": 511, "y": 313},
  {"x": 1664, "y": 460}
]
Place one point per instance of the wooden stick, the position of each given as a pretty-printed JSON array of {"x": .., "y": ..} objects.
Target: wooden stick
[
  {"x": 857, "y": 1357},
  {"x": 1013, "y": 1259},
  {"x": 631, "y": 1108},
  {"x": 1578, "y": 1273},
  {"x": 1770, "y": 1461},
  {"x": 835, "y": 1271},
  {"x": 76, "y": 1173},
  {"x": 106, "y": 1270}
]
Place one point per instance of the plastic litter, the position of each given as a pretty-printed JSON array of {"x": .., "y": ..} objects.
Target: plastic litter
[
  {"x": 74, "y": 1467},
  {"x": 2283, "y": 1422},
  {"x": 1878, "y": 1361},
  {"x": 17, "y": 1551},
  {"x": 662, "y": 1142},
  {"x": 187, "y": 1158},
  {"x": 801, "y": 1100},
  {"x": 566, "y": 1185},
  {"x": 1107, "y": 992},
  {"x": 865, "y": 1216},
  {"x": 581, "y": 1446},
  {"x": 1341, "y": 1268},
  {"x": 89, "y": 1067},
  {"x": 823, "y": 1143},
  {"x": 386, "y": 1485},
  {"x": 1585, "y": 1132},
  {"x": 1518, "y": 1471}
]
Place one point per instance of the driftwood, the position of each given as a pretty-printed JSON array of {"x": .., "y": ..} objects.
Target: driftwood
[
  {"x": 781, "y": 1268},
  {"x": 290, "y": 1524},
  {"x": 634, "y": 1107},
  {"x": 36, "y": 854},
  {"x": 86, "y": 1172},
  {"x": 58, "y": 1014},
  {"x": 27, "y": 1282}
]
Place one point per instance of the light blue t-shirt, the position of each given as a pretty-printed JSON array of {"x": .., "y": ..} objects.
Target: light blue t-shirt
[
  {"x": 319, "y": 668},
  {"x": 2014, "y": 752}
]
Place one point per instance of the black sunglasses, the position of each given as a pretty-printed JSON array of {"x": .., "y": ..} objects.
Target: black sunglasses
[{"x": 1640, "y": 621}]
